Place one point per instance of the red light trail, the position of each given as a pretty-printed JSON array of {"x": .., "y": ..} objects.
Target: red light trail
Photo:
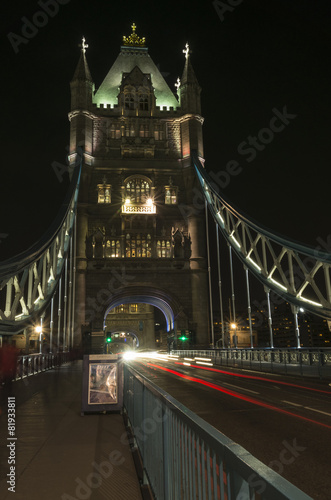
[
  {"x": 254, "y": 377},
  {"x": 235, "y": 394}
]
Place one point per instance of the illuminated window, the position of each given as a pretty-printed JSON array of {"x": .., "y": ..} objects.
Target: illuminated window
[
  {"x": 138, "y": 190},
  {"x": 115, "y": 131},
  {"x": 170, "y": 195},
  {"x": 163, "y": 248},
  {"x": 113, "y": 249},
  {"x": 138, "y": 246},
  {"x": 158, "y": 133},
  {"x": 104, "y": 193},
  {"x": 133, "y": 308},
  {"x": 144, "y": 131}
]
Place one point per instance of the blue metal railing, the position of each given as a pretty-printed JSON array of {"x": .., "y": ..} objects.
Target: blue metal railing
[
  {"x": 185, "y": 458},
  {"x": 31, "y": 364},
  {"x": 308, "y": 362}
]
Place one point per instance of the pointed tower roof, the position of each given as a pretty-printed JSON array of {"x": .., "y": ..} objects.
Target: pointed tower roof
[
  {"x": 82, "y": 71},
  {"x": 134, "y": 53},
  {"x": 188, "y": 75}
]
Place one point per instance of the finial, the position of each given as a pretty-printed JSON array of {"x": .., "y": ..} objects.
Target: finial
[
  {"x": 133, "y": 40},
  {"x": 187, "y": 51},
  {"x": 177, "y": 84},
  {"x": 83, "y": 45}
]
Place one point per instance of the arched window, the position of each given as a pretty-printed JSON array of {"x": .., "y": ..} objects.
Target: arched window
[
  {"x": 143, "y": 102},
  {"x": 138, "y": 190},
  {"x": 129, "y": 101}
]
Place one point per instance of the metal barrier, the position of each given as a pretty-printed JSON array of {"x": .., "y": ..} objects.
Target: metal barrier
[
  {"x": 299, "y": 362},
  {"x": 185, "y": 458},
  {"x": 31, "y": 364}
]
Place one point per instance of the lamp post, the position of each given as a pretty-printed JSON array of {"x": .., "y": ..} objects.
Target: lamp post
[
  {"x": 39, "y": 329},
  {"x": 234, "y": 326}
]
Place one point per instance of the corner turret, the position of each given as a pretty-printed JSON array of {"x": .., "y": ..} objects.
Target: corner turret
[
  {"x": 81, "y": 118},
  {"x": 189, "y": 89},
  {"x": 82, "y": 86}
]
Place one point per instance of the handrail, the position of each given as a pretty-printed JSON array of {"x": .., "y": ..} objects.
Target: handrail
[{"x": 185, "y": 457}]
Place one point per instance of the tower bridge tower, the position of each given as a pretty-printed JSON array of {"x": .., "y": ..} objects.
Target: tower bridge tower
[{"x": 140, "y": 239}]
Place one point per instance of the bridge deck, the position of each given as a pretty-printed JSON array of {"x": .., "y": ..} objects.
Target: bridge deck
[{"x": 59, "y": 453}]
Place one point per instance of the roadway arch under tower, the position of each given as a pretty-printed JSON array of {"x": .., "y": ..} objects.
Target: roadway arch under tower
[{"x": 165, "y": 302}]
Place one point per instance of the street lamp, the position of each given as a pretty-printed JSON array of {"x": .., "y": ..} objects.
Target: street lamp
[
  {"x": 39, "y": 329},
  {"x": 234, "y": 326}
]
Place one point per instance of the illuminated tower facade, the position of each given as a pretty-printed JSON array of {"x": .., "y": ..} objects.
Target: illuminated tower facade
[{"x": 140, "y": 239}]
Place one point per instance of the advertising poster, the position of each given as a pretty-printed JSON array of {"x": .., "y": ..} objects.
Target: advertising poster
[{"x": 102, "y": 388}]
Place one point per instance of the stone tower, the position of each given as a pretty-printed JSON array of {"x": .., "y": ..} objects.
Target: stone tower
[{"x": 139, "y": 237}]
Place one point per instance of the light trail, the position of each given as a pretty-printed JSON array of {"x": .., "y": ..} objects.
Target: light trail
[
  {"x": 254, "y": 377},
  {"x": 235, "y": 394}
]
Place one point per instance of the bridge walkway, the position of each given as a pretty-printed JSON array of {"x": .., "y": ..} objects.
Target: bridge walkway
[{"x": 60, "y": 454}]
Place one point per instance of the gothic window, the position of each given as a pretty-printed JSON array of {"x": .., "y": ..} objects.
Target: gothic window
[
  {"x": 158, "y": 133},
  {"x": 138, "y": 246},
  {"x": 163, "y": 248},
  {"x": 170, "y": 195},
  {"x": 132, "y": 131},
  {"x": 113, "y": 249},
  {"x": 129, "y": 101},
  {"x": 143, "y": 102},
  {"x": 144, "y": 131},
  {"x": 137, "y": 190},
  {"x": 104, "y": 193},
  {"x": 115, "y": 131}
]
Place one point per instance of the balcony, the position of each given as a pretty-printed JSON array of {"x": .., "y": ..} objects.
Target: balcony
[{"x": 139, "y": 208}]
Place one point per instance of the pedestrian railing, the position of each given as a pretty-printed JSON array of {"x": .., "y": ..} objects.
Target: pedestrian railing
[
  {"x": 185, "y": 458},
  {"x": 300, "y": 362},
  {"x": 31, "y": 364}
]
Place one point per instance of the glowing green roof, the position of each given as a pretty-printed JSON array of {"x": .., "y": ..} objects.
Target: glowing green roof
[{"x": 127, "y": 59}]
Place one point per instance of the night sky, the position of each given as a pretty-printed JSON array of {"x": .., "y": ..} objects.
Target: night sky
[{"x": 253, "y": 61}]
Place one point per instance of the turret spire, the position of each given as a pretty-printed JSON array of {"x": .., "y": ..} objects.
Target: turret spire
[
  {"x": 189, "y": 88},
  {"x": 82, "y": 70},
  {"x": 83, "y": 45}
]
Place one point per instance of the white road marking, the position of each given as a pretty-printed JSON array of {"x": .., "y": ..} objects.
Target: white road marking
[
  {"x": 319, "y": 411},
  {"x": 240, "y": 388},
  {"x": 307, "y": 407},
  {"x": 290, "y": 403}
]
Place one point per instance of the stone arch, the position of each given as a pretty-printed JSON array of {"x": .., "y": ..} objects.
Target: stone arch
[{"x": 166, "y": 302}]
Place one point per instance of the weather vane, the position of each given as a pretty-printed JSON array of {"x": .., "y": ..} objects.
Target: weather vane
[
  {"x": 186, "y": 51},
  {"x": 83, "y": 45}
]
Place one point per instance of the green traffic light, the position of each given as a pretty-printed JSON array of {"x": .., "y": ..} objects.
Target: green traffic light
[
  {"x": 182, "y": 338},
  {"x": 108, "y": 339}
]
